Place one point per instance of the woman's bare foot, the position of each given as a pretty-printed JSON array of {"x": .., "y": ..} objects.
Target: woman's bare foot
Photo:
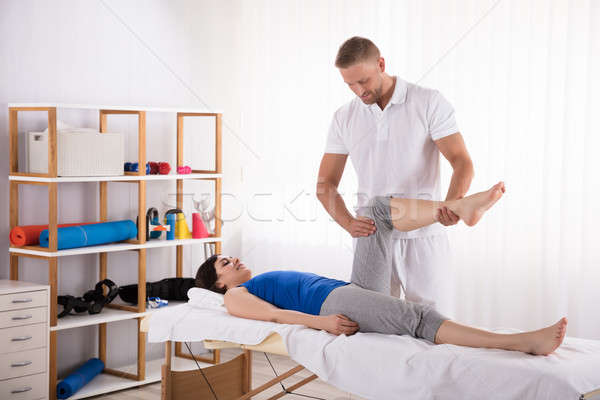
[
  {"x": 544, "y": 341},
  {"x": 471, "y": 208}
]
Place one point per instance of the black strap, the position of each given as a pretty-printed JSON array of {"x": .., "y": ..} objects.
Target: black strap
[
  {"x": 285, "y": 389},
  {"x": 201, "y": 371},
  {"x": 92, "y": 301}
]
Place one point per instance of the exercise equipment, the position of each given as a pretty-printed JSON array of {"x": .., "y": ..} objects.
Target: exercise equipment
[
  {"x": 170, "y": 220},
  {"x": 78, "y": 379},
  {"x": 91, "y": 235},
  {"x": 184, "y": 170},
  {"x": 181, "y": 227},
  {"x": 167, "y": 289},
  {"x": 198, "y": 228},
  {"x": 29, "y": 235},
  {"x": 152, "y": 218},
  {"x": 92, "y": 301},
  {"x": 153, "y": 168},
  {"x": 164, "y": 168},
  {"x": 131, "y": 167},
  {"x": 157, "y": 302}
]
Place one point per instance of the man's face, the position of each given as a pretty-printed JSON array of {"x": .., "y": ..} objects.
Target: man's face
[{"x": 365, "y": 79}]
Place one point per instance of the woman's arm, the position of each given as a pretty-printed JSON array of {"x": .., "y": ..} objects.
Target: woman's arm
[{"x": 240, "y": 303}]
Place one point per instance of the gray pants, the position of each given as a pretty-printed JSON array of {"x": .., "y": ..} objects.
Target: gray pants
[{"x": 363, "y": 301}]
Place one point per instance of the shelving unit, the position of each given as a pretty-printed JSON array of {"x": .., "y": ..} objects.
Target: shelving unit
[{"x": 142, "y": 372}]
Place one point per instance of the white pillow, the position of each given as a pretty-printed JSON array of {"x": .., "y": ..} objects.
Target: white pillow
[{"x": 204, "y": 298}]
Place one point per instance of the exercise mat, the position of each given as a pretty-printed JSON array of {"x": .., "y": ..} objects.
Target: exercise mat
[
  {"x": 91, "y": 235},
  {"x": 75, "y": 381},
  {"x": 29, "y": 235}
]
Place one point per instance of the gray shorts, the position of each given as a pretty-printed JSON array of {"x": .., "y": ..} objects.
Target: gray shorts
[{"x": 380, "y": 313}]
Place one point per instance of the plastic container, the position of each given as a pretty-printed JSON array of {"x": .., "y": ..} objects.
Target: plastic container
[{"x": 82, "y": 152}]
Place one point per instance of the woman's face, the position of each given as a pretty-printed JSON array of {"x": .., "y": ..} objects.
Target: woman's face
[{"x": 231, "y": 272}]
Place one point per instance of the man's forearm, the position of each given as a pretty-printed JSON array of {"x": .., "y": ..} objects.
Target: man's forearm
[
  {"x": 333, "y": 203},
  {"x": 461, "y": 180}
]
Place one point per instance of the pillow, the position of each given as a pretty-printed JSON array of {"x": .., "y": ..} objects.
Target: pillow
[{"x": 204, "y": 298}]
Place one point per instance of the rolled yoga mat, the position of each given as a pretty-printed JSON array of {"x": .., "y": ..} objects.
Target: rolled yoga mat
[
  {"x": 72, "y": 383},
  {"x": 29, "y": 235},
  {"x": 91, "y": 235}
]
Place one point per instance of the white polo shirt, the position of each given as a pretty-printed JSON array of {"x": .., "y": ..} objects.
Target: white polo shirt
[{"x": 393, "y": 151}]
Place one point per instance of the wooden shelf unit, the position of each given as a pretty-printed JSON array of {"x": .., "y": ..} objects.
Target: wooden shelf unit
[{"x": 134, "y": 375}]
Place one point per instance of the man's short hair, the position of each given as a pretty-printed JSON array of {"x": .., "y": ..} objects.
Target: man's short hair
[
  {"x": 206, "y": 277},
  {"x": 354, "y": 50}
]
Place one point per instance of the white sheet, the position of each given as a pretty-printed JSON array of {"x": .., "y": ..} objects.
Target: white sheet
[{"x": 384, "y": 367}]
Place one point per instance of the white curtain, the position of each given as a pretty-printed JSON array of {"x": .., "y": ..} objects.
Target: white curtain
[{"x": 522, "y": 76}]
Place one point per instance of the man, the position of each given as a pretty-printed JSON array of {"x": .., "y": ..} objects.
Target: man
[{"x": 394, "y": 131}]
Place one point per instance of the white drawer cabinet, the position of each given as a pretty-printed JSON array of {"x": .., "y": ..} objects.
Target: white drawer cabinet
[
  {"x": 26, "y": 316},
  {"x": 30, "y": 387},
  {"x": 22, "y": 338},
  {"x": 24, "y": 334},
  {"x": 19, "y": 301}
]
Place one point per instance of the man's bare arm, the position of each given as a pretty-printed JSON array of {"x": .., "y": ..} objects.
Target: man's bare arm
[
  {"x": 330, "y": 173},
  {"x": 455, "y": 151}
]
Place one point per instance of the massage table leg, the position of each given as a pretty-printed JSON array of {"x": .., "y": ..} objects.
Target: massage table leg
[{"x": 231, "y": 380}]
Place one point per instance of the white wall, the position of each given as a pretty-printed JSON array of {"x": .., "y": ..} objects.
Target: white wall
[
  {"x": 80, "y": 52},
  {"x": 519, "y": 75}
]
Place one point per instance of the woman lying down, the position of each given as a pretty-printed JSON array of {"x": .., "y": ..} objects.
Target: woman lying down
[{"x": 290, "y": 297}]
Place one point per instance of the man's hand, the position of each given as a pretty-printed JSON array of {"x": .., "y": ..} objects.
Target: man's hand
[
  {"x": 446, "y": 217},
  {"x": 338, "y": 324},
  {"x": 360, "y": 227}
]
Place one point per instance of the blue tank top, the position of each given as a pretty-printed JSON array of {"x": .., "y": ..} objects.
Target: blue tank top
[{"x": 292, "y": 290}]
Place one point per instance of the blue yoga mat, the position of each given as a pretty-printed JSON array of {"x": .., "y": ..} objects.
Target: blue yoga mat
[
  {"x": 72, "y": 383},
  {"x": 91, "y": 235}
]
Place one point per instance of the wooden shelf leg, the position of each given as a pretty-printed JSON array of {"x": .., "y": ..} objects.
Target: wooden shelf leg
[
  {"x": 142, "y": 212},
  {"x": 52, "y": 371},
  {"x": 14, "y": 221},
  {"x": 53, "y": 216},
  {"x": 141, "y": 351},
  {"x": 142, "y": 142},
  {"x": 13, "y": 139},
  {"x": 103, "y": 193},
  {"x": 141, "y": 280},
  {"x": 141, "y": 367},
  {"x": 218, "y": 144},
  {"x": 53, "y": 283},
  {"x": 14, "y": 204},
  {"x": 52, "y": 146},
  {"x": 14, "y": 267},
  {"x": 218, "y": 196}
]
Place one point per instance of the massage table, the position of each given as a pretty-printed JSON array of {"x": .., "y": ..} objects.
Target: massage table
[
  {"x": 231, "y": 380},
  {"x": 370, "y": 365}
]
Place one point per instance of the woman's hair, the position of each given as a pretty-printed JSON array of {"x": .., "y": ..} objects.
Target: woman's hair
[{"x": 206, "y": 277}]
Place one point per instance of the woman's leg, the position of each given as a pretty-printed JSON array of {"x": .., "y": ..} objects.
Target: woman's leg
[
  {"x": 372, "y": 264},
  {"x": 409, "y": 214},
  {"x": 375, "y": 312},
  {"x": 541, "y": 342}
]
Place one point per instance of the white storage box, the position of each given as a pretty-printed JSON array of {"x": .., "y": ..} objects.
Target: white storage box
[{"x": 81, "y": 152}]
